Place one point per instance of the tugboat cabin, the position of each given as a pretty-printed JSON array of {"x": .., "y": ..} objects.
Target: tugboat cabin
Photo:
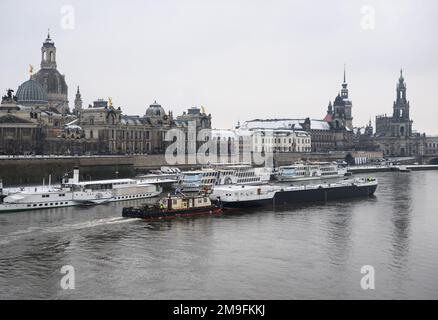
[{"x": 181, "y": 203}]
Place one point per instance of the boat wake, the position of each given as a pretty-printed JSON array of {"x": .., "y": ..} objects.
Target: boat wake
[
  {"x": 88, "y": 224},
  {"x": 35, "y": 231}
]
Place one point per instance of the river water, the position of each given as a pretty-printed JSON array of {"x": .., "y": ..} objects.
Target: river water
[{"x": 313, "y": 251}]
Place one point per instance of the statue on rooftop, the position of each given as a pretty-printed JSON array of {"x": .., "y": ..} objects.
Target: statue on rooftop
[{"x": 9, "y": 97}]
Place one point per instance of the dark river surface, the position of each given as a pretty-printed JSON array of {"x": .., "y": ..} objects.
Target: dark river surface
[{"x": 305, "y": 252}]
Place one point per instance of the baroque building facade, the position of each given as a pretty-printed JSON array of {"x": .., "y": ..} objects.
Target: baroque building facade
[
  {"x": 261, "y": 140},
  {"x": 431, "y": 145},
  {"x": 37, "y": 120}
]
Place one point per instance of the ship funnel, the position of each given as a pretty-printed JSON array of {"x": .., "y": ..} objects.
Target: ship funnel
[
  {"x": 1, "y": 191},
  {"x": 76, "y": 175}
]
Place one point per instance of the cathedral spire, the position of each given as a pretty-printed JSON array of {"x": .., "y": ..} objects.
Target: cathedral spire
[
  {"x": 330, "y": 108},
  {"x": 48, "y": 41},
  {"x": 344, "y": 84},
  {"x": 78, "y": 103},
  {"x": 401, "y": 79},
  {"x": 345, "y": 81}
]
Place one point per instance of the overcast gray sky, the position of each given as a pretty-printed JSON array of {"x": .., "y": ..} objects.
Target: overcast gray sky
[{"x": 240, "y": 59}]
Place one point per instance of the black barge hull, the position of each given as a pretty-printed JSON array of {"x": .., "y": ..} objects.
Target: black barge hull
[
  {"x": 167, "y": 214},
  {"x": 309, "y": 195}
]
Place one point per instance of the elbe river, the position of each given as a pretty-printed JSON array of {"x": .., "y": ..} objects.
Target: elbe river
[{"x": 312, "y": 251}]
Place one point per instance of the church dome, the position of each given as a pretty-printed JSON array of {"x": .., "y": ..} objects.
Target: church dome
[
  {"x": 31, "y": 93},
  {"x": 52, "y": 80},
  {"x": 155, "y": 110}
]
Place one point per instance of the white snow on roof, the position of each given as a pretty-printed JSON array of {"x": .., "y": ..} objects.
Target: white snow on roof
[
  {"x": 223, "y": 133},
  {"x": 72, "y": 126},
  {"x": 285, "y": 124},
  {"x": 73, "y": 122},
  {"x": 319, "y": 125},
  {"x": 273, "y": 124}
]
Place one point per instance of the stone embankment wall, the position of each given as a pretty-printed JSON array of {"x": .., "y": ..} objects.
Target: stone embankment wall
[{"x": 32, "y": 170}]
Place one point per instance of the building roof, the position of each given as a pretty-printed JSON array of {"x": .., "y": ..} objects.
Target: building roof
[
  {"x": 155, "y": 110},
  {"x": 319, "y": 125},
  {"x": 73, "y": 127},
  {"x": 133, "y": 120},
  {"x": 10, "y": 118},
  {"x": 328, "y": 117},
  {"x": 296, "y": 124},
  {"x": 194, "y": 111},
  {"x": 223, "y": 133},
  {"x": 31, "y": 92}
]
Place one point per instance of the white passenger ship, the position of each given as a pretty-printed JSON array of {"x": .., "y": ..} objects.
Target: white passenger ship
[
  {"x": 194, "y": 181},
  {"x": 73, "y": 192},
  {"x": 243, "y": 174},
  {"x": 222, "y": 174},
  {"x": 166, "y": 174},
  {"x": 310, "y": 171}
]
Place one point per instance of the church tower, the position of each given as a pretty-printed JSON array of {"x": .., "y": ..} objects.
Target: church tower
[
  {"x": 51, "y": 79},
  {"x": 401, "y": 122},
  {"x": 48, "y": 54},
  {"x": 342, "y": 118},
  {"x": 78, "y": 103},
  {"x": 401, "y": 105}
]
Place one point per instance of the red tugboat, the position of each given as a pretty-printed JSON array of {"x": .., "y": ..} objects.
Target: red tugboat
[{"x": 173, "y": 207}]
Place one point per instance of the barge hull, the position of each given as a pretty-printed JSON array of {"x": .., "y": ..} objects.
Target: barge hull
[{"x": 312, "y": 195}]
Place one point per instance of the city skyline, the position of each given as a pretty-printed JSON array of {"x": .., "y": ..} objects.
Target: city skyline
[{"x": 185, "y": 65}]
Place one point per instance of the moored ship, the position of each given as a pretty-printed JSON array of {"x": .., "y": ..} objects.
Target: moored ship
[
  {"x": 194, "y": 181},
  {"x": 309, "y": 171},
  {"x": 173, "y": 207},
  {"x": 73, "y": 192},
  {"x": 222, "y": 174},
  {"x": 253, "y": 196}
]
